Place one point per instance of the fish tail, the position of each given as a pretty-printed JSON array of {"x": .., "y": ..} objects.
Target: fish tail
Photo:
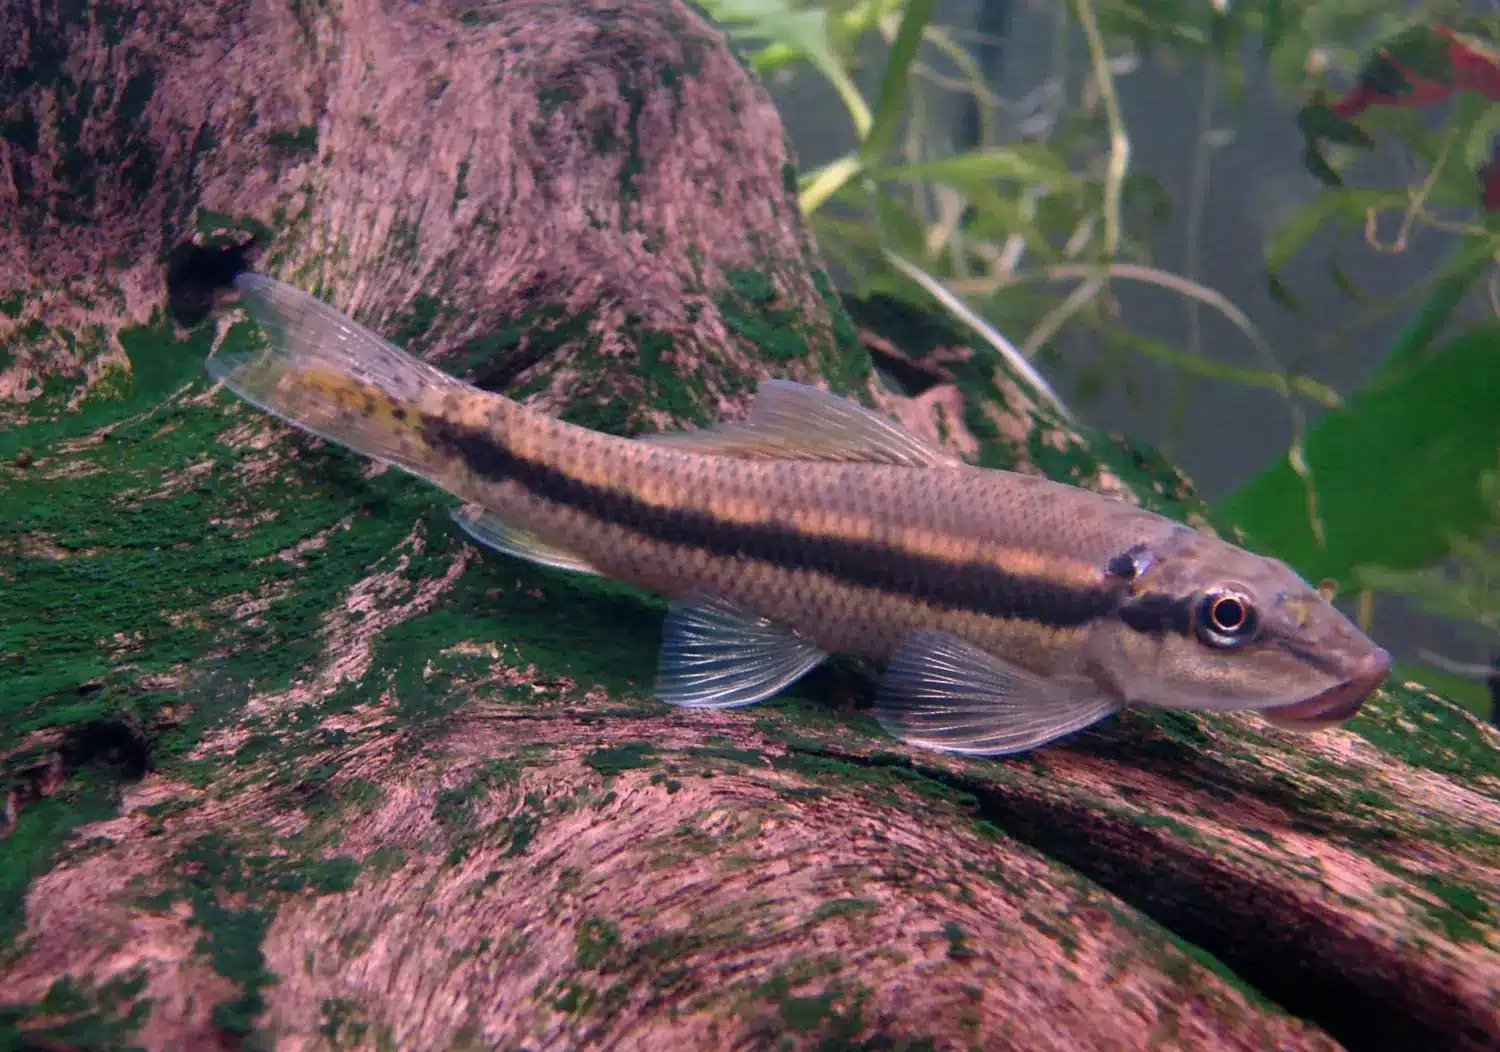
[{"x": 322, "y": 372}]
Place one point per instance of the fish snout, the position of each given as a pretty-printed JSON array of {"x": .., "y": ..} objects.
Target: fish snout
[{"x": 1339, "y": 702}]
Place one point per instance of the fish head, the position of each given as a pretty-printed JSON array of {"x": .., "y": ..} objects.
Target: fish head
[{"x": 1207, "y": 624}]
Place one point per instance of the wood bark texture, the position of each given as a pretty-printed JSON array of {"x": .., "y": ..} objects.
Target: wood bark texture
[{"x": 287, "y": 763}]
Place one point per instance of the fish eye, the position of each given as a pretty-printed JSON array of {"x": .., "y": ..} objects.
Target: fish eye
[{"x": 1225, "y": 618}]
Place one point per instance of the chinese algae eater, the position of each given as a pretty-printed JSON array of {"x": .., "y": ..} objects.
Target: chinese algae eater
[{"x": 1008, "y": 610}]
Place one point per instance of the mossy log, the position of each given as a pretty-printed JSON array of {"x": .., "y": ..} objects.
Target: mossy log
[{"x": 288, "y": 763}]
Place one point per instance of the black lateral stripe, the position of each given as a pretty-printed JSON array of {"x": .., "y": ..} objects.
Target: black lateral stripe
[
  {"x": 976, "y": 587},
  {"x": 1156, "y": 614}
]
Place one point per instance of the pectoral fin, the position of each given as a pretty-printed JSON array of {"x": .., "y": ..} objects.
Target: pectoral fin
[
  {"x": 943, "y": 692},
  {"x": 492, "y": 531},
  {"x": 717, "y": 655},
  {"x": 792, "y": 421}
]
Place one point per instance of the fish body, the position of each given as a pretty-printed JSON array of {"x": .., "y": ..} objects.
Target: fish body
[{"x": 1009, "y": 610}]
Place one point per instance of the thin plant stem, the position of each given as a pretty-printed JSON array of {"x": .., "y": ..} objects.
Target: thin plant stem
[
  {"x": 888, "y": 104},
  {"x": 960, "y": 310},
  {"x": 1119, "y": 142},
  {"x": 1197, "y": 198},
  {"x": 1059, "y": 315}
]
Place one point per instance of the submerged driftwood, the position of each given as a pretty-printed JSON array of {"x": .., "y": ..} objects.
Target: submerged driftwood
[{"x": 287, "y": 762}]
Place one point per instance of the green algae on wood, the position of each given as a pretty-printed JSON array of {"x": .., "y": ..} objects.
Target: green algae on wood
[{"x": 307, "y": 730}]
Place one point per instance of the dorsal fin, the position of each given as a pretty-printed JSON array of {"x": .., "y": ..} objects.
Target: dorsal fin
[{"x": 792, "y": 421}]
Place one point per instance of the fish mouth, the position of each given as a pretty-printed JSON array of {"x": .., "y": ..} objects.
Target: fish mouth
[{"x": 1337, "y": 703}]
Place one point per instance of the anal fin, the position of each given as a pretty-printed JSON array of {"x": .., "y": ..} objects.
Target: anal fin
[
  {"x": 492, "y": 531},
  {"x": 942, "y": 692},
  {"x": 717, "y": 655}
]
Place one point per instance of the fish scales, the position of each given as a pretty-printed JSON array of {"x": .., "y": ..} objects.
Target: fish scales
[
  {"x": 809, "y": 543},
  {"x": 1009, "y": 609}
]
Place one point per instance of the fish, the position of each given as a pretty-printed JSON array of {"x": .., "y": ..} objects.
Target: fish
[{"x": 1007, "y": 610}]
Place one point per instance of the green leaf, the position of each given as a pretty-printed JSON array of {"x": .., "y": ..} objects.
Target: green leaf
[
  {"x": 1397, "y": 470},
  {"x": 892, "y": 98},
  {"x": 1314, "y": 161},
  {"x": 1225, "y": 30},
  {"x": 1023, "y": 164},
  {"x": 1479, "y": 141},
  {"x": 1276, "y": 20},
  {"x": 1412, "y": 127},
  {"x": 1208, "y": 368},
  {"x": 1454, "y": 187},
  {"x": 1348, "y": 207},
  {"x": 1457, "y": 182},
  {"x": 1423, "y": 53},
  {"x": 1467, "y": 593},
  {"x": 792, "y": 32},
  {"x": 1286, "y": 63},
  {"x": 803, "y": 32},
  {"x": 1281, "y": 293},
  {"x": 999, "y": 217},
  {"x": 1320, "y": 122},
  {"x": 1345, "y": 284},
  {"x": 1447, "y": 291},
  {"x": 773, "y": 57}
]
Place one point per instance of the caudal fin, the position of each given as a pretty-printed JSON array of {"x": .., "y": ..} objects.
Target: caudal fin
[{"x": 321, "y": 371}]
